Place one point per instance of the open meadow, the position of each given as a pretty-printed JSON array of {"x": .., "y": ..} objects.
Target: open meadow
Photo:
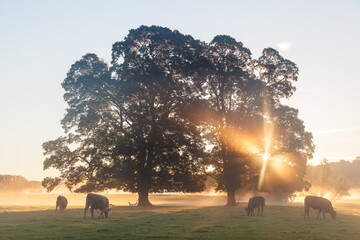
[{"x": 179, "y": 222}]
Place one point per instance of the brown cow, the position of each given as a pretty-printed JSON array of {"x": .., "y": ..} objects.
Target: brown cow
[
  {"x": 320, "y": 203},
  {"x": 255, "y": 202},
  {"x": 96, "y": 201},
  {"x": 61, "y": 203}
]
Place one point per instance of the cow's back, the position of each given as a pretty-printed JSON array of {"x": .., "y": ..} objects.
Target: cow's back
[
  {"x": 97, "y": 201},
  {"x": 61, "y": 201},
  {"x": 257, "y": 201},
  {"x": 317, "y": 202}
]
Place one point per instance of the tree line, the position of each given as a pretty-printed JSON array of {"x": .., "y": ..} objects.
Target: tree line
[
  {"x": 335, "y": 179},
  {"x": 18, "y": 184},
  {"x": 167, "y": 107}
]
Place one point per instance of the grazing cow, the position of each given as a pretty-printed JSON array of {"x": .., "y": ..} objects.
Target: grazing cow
[
  {"x": 96, "y": 201},
  {"x": 61, "y": 203},
  {"x": 320, "y": 203},
  {"x": 255, "y": 202}
]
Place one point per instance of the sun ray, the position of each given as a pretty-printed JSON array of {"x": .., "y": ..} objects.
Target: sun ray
[
  {"x": 268, "y": 134},
  {"x": 266, "y": 157}
]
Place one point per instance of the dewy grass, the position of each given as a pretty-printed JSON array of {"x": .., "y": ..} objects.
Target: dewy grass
[{"x": 278, "y": 222}]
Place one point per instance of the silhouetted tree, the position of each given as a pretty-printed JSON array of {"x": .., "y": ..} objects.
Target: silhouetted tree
[
  {"x": 141, "y": 124},
  {"x": 125, "y": 125},
  {"x": 244, "y": 99},
  {"x": 276, "y": 72},
  {"x": 226, "y": 62},
  {"x": 291, "y": 147}
]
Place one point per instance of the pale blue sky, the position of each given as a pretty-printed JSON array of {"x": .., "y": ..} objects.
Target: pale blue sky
[{"x": 39, "y": 40}]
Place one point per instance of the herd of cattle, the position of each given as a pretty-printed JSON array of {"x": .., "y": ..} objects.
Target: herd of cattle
[
  {"x": 317, "y": 203},
  {"x": 96, "y": 201}
]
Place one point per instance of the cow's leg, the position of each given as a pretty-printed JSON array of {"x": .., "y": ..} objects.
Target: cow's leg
[
  {"x": 306, "y": 212},
  {"x": 318, "y": 213},
  {"x": 106, "y": 214},
  {"x": 258, "y": 210},
  {"x": 101, "y": 213},
  {"x": 85, "y": 210},
  {"x": 92, "y": 212},
  {"x": 323, "y": 214}
]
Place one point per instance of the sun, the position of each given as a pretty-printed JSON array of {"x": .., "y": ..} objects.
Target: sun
[
  {"x": 266, "y": 157},
  {"x": 210, "y": 168}
]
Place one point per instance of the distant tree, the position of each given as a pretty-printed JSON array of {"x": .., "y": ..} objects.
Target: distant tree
[
  {"x": 125, "y": 125},
  {"x": 320, "y": 177},
  {"x": 18, "y": 184},
  {"x": 341, "y": 187},
  {"x": 325, "y": 176},
  {"x": 336, "y": 178}
]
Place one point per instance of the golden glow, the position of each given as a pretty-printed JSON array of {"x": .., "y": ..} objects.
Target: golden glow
[
  {"x": 268, "y": 134},
  {"x": 266, "y": 156},
  {"x": 209, "y": 168},
  {"x": 241, "y": 141}
]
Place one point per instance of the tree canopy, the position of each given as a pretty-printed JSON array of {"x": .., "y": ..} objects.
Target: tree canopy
[
  {"x": 125, "y": 127},
  {"x": 142, "y": 122}
]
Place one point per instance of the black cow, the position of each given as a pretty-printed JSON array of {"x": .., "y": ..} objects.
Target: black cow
[
  {"x": 255, "y": 202},
  {"x": 96, "y": 201},
  {"x": 61, "y": 203},
  {"x": 320, "y": 203}
]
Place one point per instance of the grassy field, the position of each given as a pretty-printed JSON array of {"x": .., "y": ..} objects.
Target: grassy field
[{"x": 278, "y": 222}]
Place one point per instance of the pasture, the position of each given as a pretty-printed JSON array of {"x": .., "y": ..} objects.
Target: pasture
[{"x": 165, "y": 222}]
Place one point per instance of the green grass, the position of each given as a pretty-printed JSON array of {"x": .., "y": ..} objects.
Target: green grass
[{"x": 278, "y": 222}]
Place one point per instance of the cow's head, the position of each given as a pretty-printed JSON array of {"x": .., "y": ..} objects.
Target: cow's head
[
  {"x": 333, "y": 215},
  {"x": 247, "y": 211}
]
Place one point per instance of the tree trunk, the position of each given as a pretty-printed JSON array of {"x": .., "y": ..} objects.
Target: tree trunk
[
  {"x": 143, "y": 200},
  {"x": 231, "y": 197}
]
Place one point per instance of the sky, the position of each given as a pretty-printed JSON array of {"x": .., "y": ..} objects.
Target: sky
[{"x": 39, "y": 40}]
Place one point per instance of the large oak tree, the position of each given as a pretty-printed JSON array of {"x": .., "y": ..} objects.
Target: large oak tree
[
  {"x": 124, "y": 124},
  {"x": 141, "y": 124}
]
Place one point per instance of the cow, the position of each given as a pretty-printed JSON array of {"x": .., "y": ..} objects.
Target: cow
[
  {"x": 320, "y": 203},
  {"x": 96, "y": 201},
  {"x": 255, "y": 202},
  {"x": 61, "y": 203}
]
